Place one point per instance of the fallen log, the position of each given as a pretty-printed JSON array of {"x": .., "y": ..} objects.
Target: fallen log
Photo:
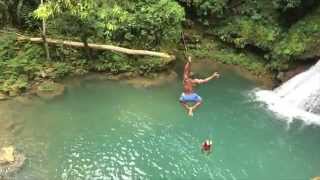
[{"x": 96, "y": 46}]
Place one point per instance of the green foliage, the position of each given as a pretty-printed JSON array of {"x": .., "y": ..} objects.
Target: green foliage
[
  {"x": 116, "y": 63},
  {"x": 150, "y": 65},
  {"x": 113, "y": 63},
  {"x": 17, "y": 64},
  {"x": 154, "y": 21},
  {"x": 245, "y": 31},
  {"x": 151, "y": 23},
  {"x": 147, "y": 23},
  {"x": 222, "y": 53},
  {"x": 47, "y": 86},
  {"x": 207, "y": 8},
  {"x": 61, "y": 69},
  {"x": 20, "y": 65},
  {"x": 111, "y": 19},
  {"x": 302, "y": 39},
  {"x": 79, "y": 8},
  {"x": 276, "y": 30}
]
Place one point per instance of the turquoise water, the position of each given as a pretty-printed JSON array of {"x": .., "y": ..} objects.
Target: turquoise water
[{"x": 110, "y": 130}]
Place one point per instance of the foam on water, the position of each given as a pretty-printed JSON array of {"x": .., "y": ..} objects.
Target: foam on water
[
  {"x": 284, "y": 109},
  {"x": 303, "y": 90},
  {"x": 298, "y": 98}
]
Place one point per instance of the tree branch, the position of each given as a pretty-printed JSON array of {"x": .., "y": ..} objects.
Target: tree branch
[{"x": 97, "y": 47}]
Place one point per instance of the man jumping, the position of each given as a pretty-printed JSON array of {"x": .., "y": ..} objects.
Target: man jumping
[{"x": 188, "y": 95}]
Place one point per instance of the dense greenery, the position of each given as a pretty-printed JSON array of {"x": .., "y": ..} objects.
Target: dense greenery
[
  {"x": 280, "y": 31},
  {"x": 261, "y": 35}
]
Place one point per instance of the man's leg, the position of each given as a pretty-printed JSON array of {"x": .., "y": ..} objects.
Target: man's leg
[
  {"x": 183, "y": 102},
  {"x": 198, "y": 100},
  {"x": 193, "y": 108},
  {"x": 189, "y": 109},
  {"x": 185, "y": 105}
]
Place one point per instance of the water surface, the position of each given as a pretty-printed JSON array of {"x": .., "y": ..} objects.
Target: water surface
[{"x": 110, "y": 130}]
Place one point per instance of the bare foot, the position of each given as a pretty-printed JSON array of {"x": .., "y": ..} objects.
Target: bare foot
[{"x": 190, "y": 112}]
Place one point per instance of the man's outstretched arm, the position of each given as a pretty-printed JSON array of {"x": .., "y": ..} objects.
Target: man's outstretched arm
[
  {"x": 187, "y": 69},
  {"x": 201, "y": 81}
]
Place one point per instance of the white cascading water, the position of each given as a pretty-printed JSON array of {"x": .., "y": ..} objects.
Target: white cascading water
[{"x": 298, "y": 98}]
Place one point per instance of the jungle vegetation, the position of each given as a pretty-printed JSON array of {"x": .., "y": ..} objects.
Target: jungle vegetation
[{"x": 261, "y": 35}]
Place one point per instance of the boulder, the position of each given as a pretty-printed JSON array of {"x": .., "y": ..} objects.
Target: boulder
[
  {"x": 3, "y": 97},
  {"x": 284, "y": 76},
  {"x": 14, "y": 92},
  {"x": 10, "y": 161},
  {"x": 49, "y": 89},
  {"x": 6, "y": 155}
]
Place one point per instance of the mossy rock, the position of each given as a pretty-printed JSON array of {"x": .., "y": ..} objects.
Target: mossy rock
[{"x": 50, "y": 90}]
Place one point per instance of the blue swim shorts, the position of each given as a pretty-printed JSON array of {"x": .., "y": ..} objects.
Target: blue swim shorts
[{"x": 193, "y": 97}]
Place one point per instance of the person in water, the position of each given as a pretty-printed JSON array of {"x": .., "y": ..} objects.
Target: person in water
[
  {"x": 188, "y": 95},
  {"x": 207, "y": 146}
]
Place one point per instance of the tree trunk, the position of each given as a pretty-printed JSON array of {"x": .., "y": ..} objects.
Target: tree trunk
[
  {"x": 44, "y": 38},
  {"x": 4, "y": 11},
  {"x": 19, "y": 7},
  {"x": 97, "y": 47},
  {"x": 86, "y": 47}
]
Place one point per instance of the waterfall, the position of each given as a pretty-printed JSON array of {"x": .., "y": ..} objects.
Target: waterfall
[{"x": 298, "y": 98}]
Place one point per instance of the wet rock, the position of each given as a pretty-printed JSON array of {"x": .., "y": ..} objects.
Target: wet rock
[
  {"x": 313, "y": 52},
  {"x": 284, "y": 76},
  {"x": 122, "y": 76},
  {"x": 6, "y": 155},
  {"x": 49, "y": 90},
  {"x": 3, "y": 97},
  {"x": 11, "y": 161},
  {"x": 155, "y": 80},
  {"x": 14, "y": 93},
  {"x": 281, "y": 76}
]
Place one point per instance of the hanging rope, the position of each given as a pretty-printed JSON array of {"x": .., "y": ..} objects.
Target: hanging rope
[{"x": 185, "y": 46}]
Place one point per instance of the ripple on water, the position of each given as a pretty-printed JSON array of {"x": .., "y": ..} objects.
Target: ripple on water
[{"x": 123, "y": 159}]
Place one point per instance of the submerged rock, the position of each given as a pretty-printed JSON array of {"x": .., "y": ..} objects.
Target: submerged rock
[
  {"x": 13, "y": 127},
  {"x": 11, "y": 161},
  {"x": 49, "y": 90},
  {"x": 316, "y": 178}
]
